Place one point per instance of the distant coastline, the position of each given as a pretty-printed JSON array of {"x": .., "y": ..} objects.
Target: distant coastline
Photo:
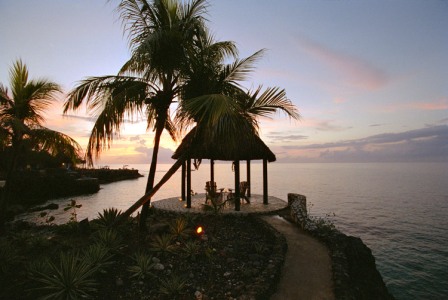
[{"x": 31, "y": 188}]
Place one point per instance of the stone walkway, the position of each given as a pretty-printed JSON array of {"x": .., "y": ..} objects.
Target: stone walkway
[
  {"x": 307, "y": 272},
  {"x": 256, "y": 205}
]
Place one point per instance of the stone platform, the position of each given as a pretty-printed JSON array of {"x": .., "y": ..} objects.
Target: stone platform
[{"x": 255, "y": 206}]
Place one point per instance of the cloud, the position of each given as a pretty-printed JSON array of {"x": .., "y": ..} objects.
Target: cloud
[
  {"x": 89, "y": 119},
  {"x": 354, "y": 71},
  {"x": 425, "y": 144},
  {"x": 164, "y": 155},
  {"x": 284, "y": 137},
  {"x": 436, "y": 105},
  {"x": 327, "y": 126}
]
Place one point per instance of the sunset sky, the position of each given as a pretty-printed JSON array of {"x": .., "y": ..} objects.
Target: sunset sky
[{"x": 370, "y": 78}]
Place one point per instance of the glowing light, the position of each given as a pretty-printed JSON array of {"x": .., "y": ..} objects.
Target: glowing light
[{"x": 199, "y": 230}]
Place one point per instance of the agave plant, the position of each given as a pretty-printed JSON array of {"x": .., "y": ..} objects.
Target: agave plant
[
  {"x": 108, "y": 217},
  {"x": 98, "y": 255},
  {"x": 190, "y": 249},
  {"x": 179, "y": 229},
  {"x": 163, "y": 244},
  {"x": 173, "y": 287},
  {"x": 8, "y": 257},
  {"x": 142, "y": 267},
  {"x": 109, "y": 238},
  {"x": 72, "y": 278}
]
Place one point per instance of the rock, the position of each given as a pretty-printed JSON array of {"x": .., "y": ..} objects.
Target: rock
[
  {"x": 119, "y": 281},
  {"x": 159, "y": 228},
  {"x": 51, "y": 206},
  {"x": 84, "y": 226},
  {"x": 159, "y": 267},
  {"x": 198, "y": 295}
]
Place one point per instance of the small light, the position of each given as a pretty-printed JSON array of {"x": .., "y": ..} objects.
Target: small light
[{"x": 199, "y": 230}]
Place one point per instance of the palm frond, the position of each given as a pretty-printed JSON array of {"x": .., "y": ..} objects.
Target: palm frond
[
  {"x": 268, "y": 102},
  {"x": 240, "y": 69},
  {"x": 95, "y": 91},
  {"x": 207, "y": 109},
  {"x": 55, "y": 143},
  {"x": 135, "y": 15}
]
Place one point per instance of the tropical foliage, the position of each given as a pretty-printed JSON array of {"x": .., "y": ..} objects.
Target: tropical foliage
[
  {"x": 24, "y": 137},
  {"x": 174, "y": 58},
  {"x": 161, "y": 36}
]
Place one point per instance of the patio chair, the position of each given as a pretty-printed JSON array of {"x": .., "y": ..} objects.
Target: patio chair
[
  {"x": 210, "y": 190},
  {"x": 244, "y": 186}
]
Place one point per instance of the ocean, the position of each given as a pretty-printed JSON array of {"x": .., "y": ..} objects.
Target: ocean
[{"x": 399, "y": 210}]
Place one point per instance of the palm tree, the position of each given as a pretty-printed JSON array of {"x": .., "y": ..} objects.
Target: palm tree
[
  {"x": 213, "y": 99},
  {"x": 161, "y": 35},
  {"x": 212, "y": 92},
  {"x": 21, "y": 123}
]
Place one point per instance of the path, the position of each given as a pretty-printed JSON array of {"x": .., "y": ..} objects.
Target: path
[{"x": 306, "y": 273}]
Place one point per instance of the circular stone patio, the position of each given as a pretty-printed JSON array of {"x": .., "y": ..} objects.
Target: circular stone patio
[{"x": 255, "y": 206}]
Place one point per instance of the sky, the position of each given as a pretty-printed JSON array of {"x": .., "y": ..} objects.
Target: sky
[{"x": 369, "y": 78}]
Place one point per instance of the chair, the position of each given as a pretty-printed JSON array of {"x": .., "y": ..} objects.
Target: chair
[
  {"x": 244, "y": 186},
  {"x": 210, "y": 191}
]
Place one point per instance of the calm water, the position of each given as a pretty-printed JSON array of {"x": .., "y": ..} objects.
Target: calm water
[{"x": 399, "y": 210}]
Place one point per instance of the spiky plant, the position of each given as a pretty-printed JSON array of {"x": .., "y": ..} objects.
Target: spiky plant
[
  {"x": 179, "y": 229},
  {"x": 173, "y": 287},
  {"x": 72, "y": 278},
  {"x": 163, "y": 244},
  {"x": 109, "y": 238},
  {"x": 190, "y": 249},
  {"x": 142, "y": 267},
  {"x": 107, "y": 218},
  {"x": 98, "y": 255}
]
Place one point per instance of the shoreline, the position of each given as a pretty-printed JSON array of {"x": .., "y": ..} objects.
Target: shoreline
[{"x": 33, "y": 188}]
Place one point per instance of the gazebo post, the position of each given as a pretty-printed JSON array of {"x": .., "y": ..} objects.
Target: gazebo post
[
  {"x": 183, "y": 181},
  {"x": 248, "y": 177},
  {"x": 189, "y": 183},
  {"x": 265, "y": 181},
  {"x": 212, "y": 170},
  {"x": 237, "y": 185}
]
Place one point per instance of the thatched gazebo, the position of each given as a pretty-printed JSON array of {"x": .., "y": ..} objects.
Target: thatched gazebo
[{"x": 199, "y": 144}]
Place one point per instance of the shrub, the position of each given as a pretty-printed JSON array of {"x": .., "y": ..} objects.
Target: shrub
[
  {"x": 109, "y": 238},
  {"x": 71, "y": 279},
  {"x": 179, "y": 228},
  {"x": 98, "y": 255},
  {"x": 173, "y": 287},
  {"x": 143, "y": 264},
  {"x": 163, "y": 244},
  {"x": 107, "y": 218}
]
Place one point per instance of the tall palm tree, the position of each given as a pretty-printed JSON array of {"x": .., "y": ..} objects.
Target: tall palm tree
[
  {"x": 21, "y": 122},
  {"x": 161, "y": 35},
  {"x": 214, "y": 99}
]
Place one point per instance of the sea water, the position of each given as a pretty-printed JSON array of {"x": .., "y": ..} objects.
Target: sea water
[{"x": 399, "y": 210}]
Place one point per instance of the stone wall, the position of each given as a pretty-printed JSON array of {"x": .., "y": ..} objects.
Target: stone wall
[{"x": 355, "y": 275}]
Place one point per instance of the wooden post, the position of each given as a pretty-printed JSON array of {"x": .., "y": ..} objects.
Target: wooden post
[
  {"x": 237, "y": 185},
  {"x": 248, "y": 177},
  {"x": 265, "y": 181},
  {"x": 183, "y": 182},
  {"x": 189, "y": 183},
  {"x": 212, "y": 170}
]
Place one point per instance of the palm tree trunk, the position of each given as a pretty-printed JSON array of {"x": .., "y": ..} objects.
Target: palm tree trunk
[
  {"x": 147, "y": 197},
  {"x": 6, "y": 191},
  {"x": 160, "y": 125}
]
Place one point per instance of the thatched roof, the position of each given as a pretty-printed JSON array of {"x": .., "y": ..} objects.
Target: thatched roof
[{"x": 249, "y": 147}]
